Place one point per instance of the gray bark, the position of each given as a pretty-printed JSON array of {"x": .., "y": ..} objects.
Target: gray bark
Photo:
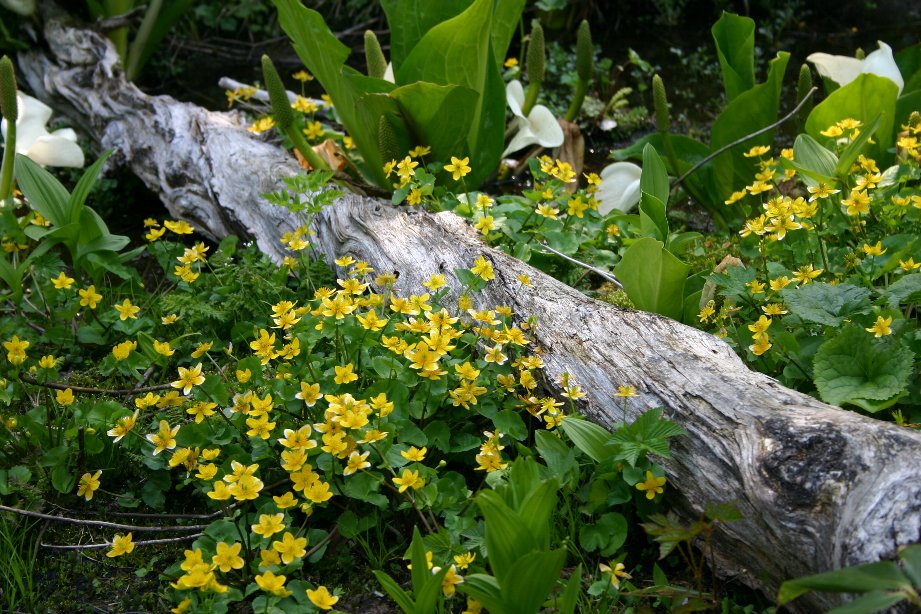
[{"x": 818, "y": 487}]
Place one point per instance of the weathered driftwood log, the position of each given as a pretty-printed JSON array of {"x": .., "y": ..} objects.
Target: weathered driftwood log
[{"x": 818, "y": 487}]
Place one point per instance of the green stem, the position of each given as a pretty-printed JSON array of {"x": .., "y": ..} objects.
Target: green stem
[
  {"x": 9, "y": 161},
  {"x": 136, "y": 51},
  {"x": 578, "y": 97}
]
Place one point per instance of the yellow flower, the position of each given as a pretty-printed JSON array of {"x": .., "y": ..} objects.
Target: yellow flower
[
  {"x": 761, "y": 345},
  {"x": 524, "y": 279},
  {"x": 126, "y": 310},
  {"x": 155, "y": 233},
  {"x": 123, "y": 426},
  {"x": 458, "y": 168},
  {"x": 652, "y": 485},
  {"x": 881, "y": 327},
  {"x": 409, "y": 479},
  {"x": 318, "y": 491},
  {"x": 88, "y": 485},
  {"x": 124, "y": 349},
  {"x": 344, "y": 375},
  {"x": 420, "y": 150},
  {"x": 180, "y": 227},
  {"x": 47, "y": 362},
  {"x": 121, "y": 544},
  {"x": 261, "y": 125},
  {"x": 511, "y": 62},
  {"x": 805, "y": 274},
  {"x": 201, "y": 410},
  {"x": 485, "y": 224},
  {"x": 322, "y": 598},
  {"x": 269, "y": 525},
  {"x": 314, "y": 130},
  {"x": 189, "y": 378},
  {"x": 464, "y": 560},
  {"x": 414, "y": 454},
  {"x": 228, "y": 557},
  {"x": 625, "y": 391},
  {"x": 169, "y": 319},
  {"x": 756, "y": 151},
  {"x": 617, "y": 573},
  {"x": 303, "y": 76},
  {"x": 65, "y": 397},
  {"x": 820, "y": 191},
  {"x": 273, "y": 584},
  {"x": 760, "y": 327},
  {"x": 163, "y": 348},
  {"x": 483, "y": 269},
  {"x": 874, "y": 250},
  {"x": 290, "y": 547},
  {"x": 62, "y": 281},
  {"x": 202, "y": 349},
  {"x": 285, "y": 501},
  {"x": 164, "y": 438},
  {"x": 356, "y": 463},
  {"x": 909, "y": 265},
  {"x": 89, "y": 297},
  {"x": 449, "y": 580}
]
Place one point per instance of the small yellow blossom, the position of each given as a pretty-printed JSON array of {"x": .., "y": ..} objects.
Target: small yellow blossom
[
  {"x": 121, "y": 544},
  {"x": 881, "y": 328},
  {"x": 652, "y": 485}
]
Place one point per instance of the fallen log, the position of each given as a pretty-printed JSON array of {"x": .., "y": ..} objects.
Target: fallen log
[{"x": 818, "y": 487}]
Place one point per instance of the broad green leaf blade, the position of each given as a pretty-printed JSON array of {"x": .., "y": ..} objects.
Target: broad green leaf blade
[
  {"x": 439, "y": 116},
  {"x": 485, "y": 589},
  {"x": 507, "y": 538},
  {"x": 825, "y": 304},
  {"x": 874, "y": 601},
  {"x": 426, "y": 597},
  {"x": 505, "y": 19},
  {"x": 396, "y": 593},
  {"x": 458, "y": 52},
  {"x": 735, "y": 45},
  {"x": 410, "y": 20},
  {"x": 654, "y": 178},
  {"x": 85, "y": 186},
  {"x": 531, "y": 579},
  {"x": 653, "y": 278},
  {"x": 43, "y": 191},
  {"x": 653, "y": 221},
  {"x": 590, "y": 438},
  {"x": 536, "y": 511},
  {"x": 750, "y": 111},
  {"x": 911, "y": 560},
  {"x": 880, "y": 576},
  {"x": 325, "y": 57},
  {"x": 854, "y": 366},
  {"x": 865, "y": 98},
  {"x": 606, "y": 535},
  {"x": 420, "y": 570},
  {"x": 909, "y": 62},
  {"x": 810, "y": 155}
]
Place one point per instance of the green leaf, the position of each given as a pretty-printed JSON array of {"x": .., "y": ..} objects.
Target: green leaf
[
  {"x": 911, "y": 561},
  {"x": 904, "y": 291},
  {"x": 648, "y": 434},
  {"x": 410, "y": 20},
  {"x": 865, "y": 98},
  {"x": 531, "y": 579},
  {"x": 364, "y": 487},
  {"x": 43, "y": 191},
  {"x": 748, "y": 112},
  {"x": 84, "y": 187},
  {"x": 560, "y": 458},
  {"x": 825, "y": 304},
  {"x": 853, "y": 149},
  {"x": 653, "y": 278},
  {"x": 569, "y": 596},
  {"x": 396, "y": 593},
  {"x": 439, "y": 116},
  {"x": 854, "y": 366},
  {"x": 509, "y": 422},
  {"x": 507, "y": 537},
  {"x": 590, "y": 438},
  {"x": 874, "y": 601},
  {"x": 653, "y": 222},
  {"x": 884, "y": 575},
  {"x": 63, "y": 479},
  {"x": 458, "y": 52},
  {"x": 606, "y": 535},
  {"x": 485, "y": 589},
  {"x": 735, "y": 45},
  {"x": 654, "y": 178},
  {"x": 810, "y": 155},
  {"x": 417, "y": 558}
]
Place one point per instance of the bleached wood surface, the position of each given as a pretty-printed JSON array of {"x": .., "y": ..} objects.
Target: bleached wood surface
[{"x": 818, "y": 487}]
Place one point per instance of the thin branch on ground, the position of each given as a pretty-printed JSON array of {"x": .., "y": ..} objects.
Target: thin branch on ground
[
  {"x": 101, "y": 523},
  {"x": 146, "y": 542}
]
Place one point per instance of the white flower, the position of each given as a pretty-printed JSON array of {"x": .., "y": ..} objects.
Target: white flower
[
  {"x": 58, "y": 148},
  {"x": 540, "y": 126},
  {"x": 620, "y": 187},
  {"x": 842, "y": 69},
  {"x": 23, "y": 7}
]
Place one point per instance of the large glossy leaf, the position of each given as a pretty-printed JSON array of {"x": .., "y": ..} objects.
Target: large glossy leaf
[
  {"x": 751, "y": 110},
  {"x": 505, "y": 19},
  {"x": 410, "y": 20},
  {"x": 458, "y": 52},
  {"x": 531, "y": 579},
  {"x": 735, "y": 45},
  {"x": 654, "y": 179},
  {"x": 439, "y": 116},
  {"x": 854, "y": 367},
  {"x": 653, "y": 278},
  {"x": 864, "y": 98},
  {"x": 84, "y": 187},
  {"x": 325, "y": 57}
]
